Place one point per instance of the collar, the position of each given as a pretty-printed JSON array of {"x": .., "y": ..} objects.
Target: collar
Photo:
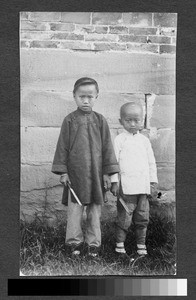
[
  {"x": 84, "y": 112},
  {"x": 129, "y": 133}
]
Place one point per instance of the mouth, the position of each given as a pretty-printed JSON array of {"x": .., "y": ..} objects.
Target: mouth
[{"x": 132, "y": 129}]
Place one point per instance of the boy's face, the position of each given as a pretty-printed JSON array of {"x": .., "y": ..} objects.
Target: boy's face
[
  {"x": 85, "y": 96},
  {"x": 131, "y": 119}
]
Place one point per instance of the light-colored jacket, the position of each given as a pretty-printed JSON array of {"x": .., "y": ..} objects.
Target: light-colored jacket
[{"x": 137, "y": 163}]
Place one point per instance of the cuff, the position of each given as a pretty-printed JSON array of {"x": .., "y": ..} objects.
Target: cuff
[
  {"x": 111, "y": 169},
  {"x": 153, "y": 179},
  {"x": 59, "y": 169},
  {"x": 114, "y": 178}
]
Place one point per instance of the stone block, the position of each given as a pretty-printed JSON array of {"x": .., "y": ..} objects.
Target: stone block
[
  {"x": 36, "y": 35},
  {"x": 45, "y": 108},
  {"x": 108, "y": 104},
  {"x": 45, "y": 16},
  {"x": 38, "y": 26},
  {"x": 62, "y": 27},
  {"x": 118, "y": 29},
  {"x": 38, "y": 144},
  {"x": 44, "y": 44},
  {"x": 81, "y": 29},
  {"x": 101, "y": 29},
  {"x": 163, "y": 112},
  {"x": 101, "y": 37},
  {"x": 147, "y": 48},
  {"x": 166, "y": 177},
  {"x": 66, "y": 36},
  {"x": 107, "y": 18},
  {"x": 159, "y": 39},
  {"x": 145, "y": 39},
  {"x": 50, "y": 211},
  {"x": 74, "y": 45},
  {"x": 164, "y": 145},
  {"x": 109, "y": 46},
  {"x": 170, "y": 49},
  {"x": 43, "y": 205},
  {"x": 168, "y": 31},
  {"x": 165, "y": 19},
  {"x": 132, "y": 39},
  {"x": 142, "y": 31},
  {"x": 48, "y": 109},
  {"x": 46, "y": 207},
  {"x": 76, "y": 17},
  {"x": 138, "y": 19},
  {"x": 116, "y": 72},
  {"x": 37, "y": 177}
]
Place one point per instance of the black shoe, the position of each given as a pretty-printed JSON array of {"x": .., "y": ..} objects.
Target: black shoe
[
  {"x": 123, "y": 257},
  {"x": 75, "y": 250},
  {"x": 93, "y": 252},
  {"x": 136, "y": 256}
]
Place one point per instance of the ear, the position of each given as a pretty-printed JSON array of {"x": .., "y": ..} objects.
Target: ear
[{"x": 120, "y": 121}]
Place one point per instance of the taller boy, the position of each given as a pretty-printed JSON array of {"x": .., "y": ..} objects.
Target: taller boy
[{"x": 85, "y": 157}]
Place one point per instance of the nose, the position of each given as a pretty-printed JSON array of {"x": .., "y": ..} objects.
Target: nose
[
  {"x": 132, "y": 124},
  {"x": 85, "y": 100}
]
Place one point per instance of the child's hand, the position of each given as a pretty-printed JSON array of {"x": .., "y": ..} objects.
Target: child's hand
[
  {"x": 64, "y": 179},
  {"x": 114, "y": 189},
  {"x": 106, "y": 182},
  {"x": 153, "y": 189}
]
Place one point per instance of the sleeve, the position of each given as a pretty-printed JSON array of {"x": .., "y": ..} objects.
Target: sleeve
[
  {"x": 59, "y": 165},
  {"x": 152, "y": 162},
  {"x": 110, "y": 164}
]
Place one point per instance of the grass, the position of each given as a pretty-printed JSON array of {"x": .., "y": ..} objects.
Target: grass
[{"x": 43, "y": 252}]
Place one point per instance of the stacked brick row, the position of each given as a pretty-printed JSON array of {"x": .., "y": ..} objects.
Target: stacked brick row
[{"x": 132, "y": 32}]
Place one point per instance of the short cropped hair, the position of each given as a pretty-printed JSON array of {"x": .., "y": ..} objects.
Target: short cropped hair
[
  {"x": 85, "y": 81},
  {"x": 124, "y": 107}
]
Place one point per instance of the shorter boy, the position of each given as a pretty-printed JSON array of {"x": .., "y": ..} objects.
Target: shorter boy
[{"x": 138, "y": 178}]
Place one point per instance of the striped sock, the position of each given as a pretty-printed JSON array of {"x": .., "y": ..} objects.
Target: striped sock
[
  {"x": 120, "y": 247},
  {"x": 141, "y": 249}
]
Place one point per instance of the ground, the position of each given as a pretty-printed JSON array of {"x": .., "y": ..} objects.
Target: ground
[{"x": 43, "y": 251}]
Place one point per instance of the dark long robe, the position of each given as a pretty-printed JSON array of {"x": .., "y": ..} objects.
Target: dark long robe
[{"x": 85, "y": 151}]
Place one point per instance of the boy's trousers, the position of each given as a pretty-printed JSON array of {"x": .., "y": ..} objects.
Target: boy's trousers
[
  {"x": 74, "y": 233},
  {"x": 139, "y": 208}
]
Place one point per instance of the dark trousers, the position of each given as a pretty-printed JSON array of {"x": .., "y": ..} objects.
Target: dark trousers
[{"x": 139, "y": 207}]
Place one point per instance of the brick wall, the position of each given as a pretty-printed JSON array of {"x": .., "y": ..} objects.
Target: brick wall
[
  {"x": 131, "y": 32},
  {"x": 131, "y": 55}
]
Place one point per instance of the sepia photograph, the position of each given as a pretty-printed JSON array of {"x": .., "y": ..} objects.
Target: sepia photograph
[{"x": 97, "y": 169}]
